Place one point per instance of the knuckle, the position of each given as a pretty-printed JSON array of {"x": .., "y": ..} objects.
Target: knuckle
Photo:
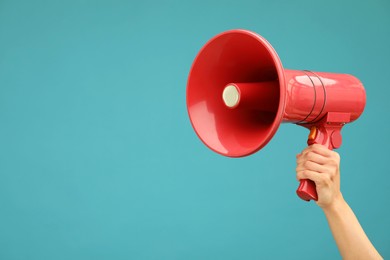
[
  {"x": 333, "y": 174},
  {"x": 325, "y": 179},
  {"x": 306, "y": 164},
  {"x": 335, "y": 156},
  {"x": 312, "y": 157},
  {"x": 309, "y": 155},
  {"x": 304, "y": 174},
  {"x": 334, "y": 162}
]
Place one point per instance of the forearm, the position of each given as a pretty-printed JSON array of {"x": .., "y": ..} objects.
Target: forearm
[{"x": 350, "y": 237}]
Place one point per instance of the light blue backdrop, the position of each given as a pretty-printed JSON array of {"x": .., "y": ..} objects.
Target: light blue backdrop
[{"x": 98, "y": 159}]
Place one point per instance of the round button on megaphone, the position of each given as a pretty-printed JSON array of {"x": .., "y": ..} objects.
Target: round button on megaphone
[{"x": 238, "y": 93}]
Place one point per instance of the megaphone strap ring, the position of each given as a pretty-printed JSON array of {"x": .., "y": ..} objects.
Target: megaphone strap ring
[
  {"x": 323, "y": 87},
  {"x": 314, "y": 98}
]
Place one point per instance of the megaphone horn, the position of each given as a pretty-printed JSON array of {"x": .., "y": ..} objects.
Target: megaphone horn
[{"x": 238, "y": 93}]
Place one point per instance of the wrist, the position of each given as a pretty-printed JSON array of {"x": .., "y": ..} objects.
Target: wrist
[{"x": 337, "y": 204}]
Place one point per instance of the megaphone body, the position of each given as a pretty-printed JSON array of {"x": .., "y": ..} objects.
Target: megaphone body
[{"x": 238, "y": 93}]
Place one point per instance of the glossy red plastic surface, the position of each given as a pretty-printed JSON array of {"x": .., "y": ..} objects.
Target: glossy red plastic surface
[
  {"x": 310, "y": 95},
  {"x": 236, "y": 56}
]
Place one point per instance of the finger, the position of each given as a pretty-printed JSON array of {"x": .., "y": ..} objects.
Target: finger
[
  {"x": 335, "y": 157},
  {"x": 314, "y": 157},
  {"x": 311, "y": 156},
  {"x": 320, "y": 149},
  {"x": 311, "y": 166},
  {"x": 311, "y": 175}
]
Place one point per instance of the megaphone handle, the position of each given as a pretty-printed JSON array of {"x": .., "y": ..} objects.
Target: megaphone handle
[{"x": 329, "y": 136}]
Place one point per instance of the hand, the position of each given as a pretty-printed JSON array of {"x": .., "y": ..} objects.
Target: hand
[{"x": 321, "y": 165}]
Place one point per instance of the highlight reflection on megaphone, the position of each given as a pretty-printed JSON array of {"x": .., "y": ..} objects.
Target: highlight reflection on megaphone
[{"x": 238, "y": 93}]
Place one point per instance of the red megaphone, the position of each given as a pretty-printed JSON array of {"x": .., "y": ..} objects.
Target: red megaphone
[{"x": 238, "y": 93}]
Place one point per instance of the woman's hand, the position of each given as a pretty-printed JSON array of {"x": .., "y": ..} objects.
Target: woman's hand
[{"x": 322, "y": 166}]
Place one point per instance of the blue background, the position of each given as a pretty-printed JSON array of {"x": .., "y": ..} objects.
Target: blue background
[{"x": 98, "y": 159}]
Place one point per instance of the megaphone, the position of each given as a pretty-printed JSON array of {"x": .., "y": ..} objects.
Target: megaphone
[{"x": 238, "y": 93}]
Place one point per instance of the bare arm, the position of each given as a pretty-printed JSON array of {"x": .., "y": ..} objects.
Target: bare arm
[{"x": 322, "y": 166}]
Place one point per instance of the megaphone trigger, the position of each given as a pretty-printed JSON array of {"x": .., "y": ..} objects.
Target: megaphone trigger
[{"x": 312, "y": 134}]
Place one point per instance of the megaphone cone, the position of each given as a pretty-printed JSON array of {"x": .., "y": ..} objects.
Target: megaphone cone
[
  {"x": 237, "y": 65},
  {"x": 238, "y": 93}
]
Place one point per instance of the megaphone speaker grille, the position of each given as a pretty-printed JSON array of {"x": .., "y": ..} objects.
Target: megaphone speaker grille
[{"x": 236, "y": 93}]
